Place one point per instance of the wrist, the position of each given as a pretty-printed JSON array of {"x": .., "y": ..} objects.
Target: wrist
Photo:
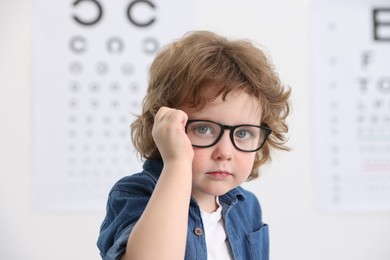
[{"x": 178, "y": 163}]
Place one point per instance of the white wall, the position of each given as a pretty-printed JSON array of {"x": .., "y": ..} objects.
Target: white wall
[{"x": 286, "y": 188}]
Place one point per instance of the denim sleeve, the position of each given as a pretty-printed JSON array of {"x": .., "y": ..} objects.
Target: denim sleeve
[{"x": 125, "y": 205}]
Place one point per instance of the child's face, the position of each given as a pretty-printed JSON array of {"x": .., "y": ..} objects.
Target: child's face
[{"x": 220, "y": 168}]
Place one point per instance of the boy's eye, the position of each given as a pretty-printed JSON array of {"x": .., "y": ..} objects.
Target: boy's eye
[
  {"x": 242, "y": 134},
  {"x": 203, "y": 129},
  {"x": 245, "y": 133}
]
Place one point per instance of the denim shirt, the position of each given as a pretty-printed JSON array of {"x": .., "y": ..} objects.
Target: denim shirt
[{"x": 246, "y": 233}]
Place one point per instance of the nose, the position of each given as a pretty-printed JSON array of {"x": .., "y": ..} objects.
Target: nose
[{"x": 223, "y": 150}]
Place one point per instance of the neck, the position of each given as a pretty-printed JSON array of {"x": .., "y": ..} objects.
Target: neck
[{"x": 207, "y": 203}]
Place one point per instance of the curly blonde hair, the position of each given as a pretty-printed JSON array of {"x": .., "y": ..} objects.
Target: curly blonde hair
[{"x": 183, "y": 70}]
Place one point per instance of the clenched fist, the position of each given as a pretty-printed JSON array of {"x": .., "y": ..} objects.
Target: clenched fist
[{"x": 170, "y": 137}]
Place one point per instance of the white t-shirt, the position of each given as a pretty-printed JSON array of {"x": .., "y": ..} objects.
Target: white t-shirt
[{"x": 218, "y": 247}]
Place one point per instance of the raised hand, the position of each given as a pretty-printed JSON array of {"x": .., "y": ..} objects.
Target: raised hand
[{"x": 170, "y": 137}]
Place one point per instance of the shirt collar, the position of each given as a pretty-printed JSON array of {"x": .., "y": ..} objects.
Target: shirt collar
[{"x": 153, "y": 168}]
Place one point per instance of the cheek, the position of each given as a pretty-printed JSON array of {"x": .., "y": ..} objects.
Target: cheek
[
  {"x": 246, "y": 163},
  {"x": 201, "y": 156}
]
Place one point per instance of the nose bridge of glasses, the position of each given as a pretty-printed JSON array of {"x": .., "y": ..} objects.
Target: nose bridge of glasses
[{"x": 230, "y": 135}]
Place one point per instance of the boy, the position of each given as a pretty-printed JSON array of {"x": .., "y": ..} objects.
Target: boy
[{"x": 213, "y": 110}]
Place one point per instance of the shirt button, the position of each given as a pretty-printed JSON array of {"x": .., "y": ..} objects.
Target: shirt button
[{"x": 198, "y": 231}]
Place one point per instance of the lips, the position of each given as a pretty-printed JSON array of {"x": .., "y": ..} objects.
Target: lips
[{"x": 220, "y": 175}]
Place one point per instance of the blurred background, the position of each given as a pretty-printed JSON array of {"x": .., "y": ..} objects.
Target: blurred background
[{"x": 73, "y": 73}]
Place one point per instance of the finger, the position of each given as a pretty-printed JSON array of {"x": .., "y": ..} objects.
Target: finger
[
  {"x": 161, "y": 113},
  {"x": 171, "y": 115}
]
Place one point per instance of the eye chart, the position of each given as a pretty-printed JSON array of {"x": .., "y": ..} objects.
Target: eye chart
[
  {"x": 91, "y": 61},
  {"x": 350, "y": 72}
]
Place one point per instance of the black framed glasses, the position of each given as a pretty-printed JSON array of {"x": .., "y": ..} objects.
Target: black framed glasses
[{"x": 246, "y": 138}]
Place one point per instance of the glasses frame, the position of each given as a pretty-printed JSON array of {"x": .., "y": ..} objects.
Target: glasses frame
[{"x": 232, "y": 128}]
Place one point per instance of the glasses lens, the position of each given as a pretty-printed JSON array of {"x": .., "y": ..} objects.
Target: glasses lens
[
  {"x": 248, "y": 138},
  {"x": 203, "y": 133}
]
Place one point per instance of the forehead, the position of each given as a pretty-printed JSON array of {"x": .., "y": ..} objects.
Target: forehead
[{"x": 238, "y": 107}]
